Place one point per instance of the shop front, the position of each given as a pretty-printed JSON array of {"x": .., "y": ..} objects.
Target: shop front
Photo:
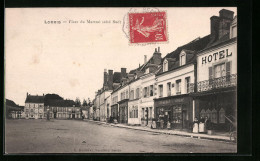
[
  {"x": 114, "y": 112},
  {"x": 123, "y": 111},
  {"x": 174, "y": 112},
  {"x": 219, "y": 106}
]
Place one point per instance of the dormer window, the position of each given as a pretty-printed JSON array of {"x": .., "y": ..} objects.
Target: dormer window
[
  {"x": 165, "y": 65},
  {"x": 182, "y": 59}
]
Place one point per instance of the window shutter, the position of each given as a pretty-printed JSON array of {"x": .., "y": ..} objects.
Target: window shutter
[
  {"x": 228, "y": 68},
  {"x": 210, "y": 73},
  {"x": 228, "y": 71}
]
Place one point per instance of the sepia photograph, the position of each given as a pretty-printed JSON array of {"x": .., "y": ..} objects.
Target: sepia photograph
[{"x": 94, "y": 80}]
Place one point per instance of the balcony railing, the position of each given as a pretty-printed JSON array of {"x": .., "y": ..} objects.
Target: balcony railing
[{"x": 221, "y": 82}]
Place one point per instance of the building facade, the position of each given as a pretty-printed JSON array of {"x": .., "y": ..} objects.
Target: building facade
[
  {"x": 134, "y": 110},
  {"x": 216, "y": 86},
  {"x": 34, "y": 107}
]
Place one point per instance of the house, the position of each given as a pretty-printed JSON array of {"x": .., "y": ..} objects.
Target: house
[
  {"x": 34, "y": 106},
  {"x": 215, "y": 90}
]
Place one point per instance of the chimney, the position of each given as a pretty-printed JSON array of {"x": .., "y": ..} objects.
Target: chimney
[
  {"x": 157, "y": 57},
  {"x": 110, "y": 79},
  {"x": 226, "y": 14},
  {"x": 105, "y": 77},
  {"x": 214, "y": 28},
  {"x": 123, "y": 72},
  {"x": 145, "y": 59},
  {"x": 43, "y": 94},
  {"x": 225, "y": 21}
]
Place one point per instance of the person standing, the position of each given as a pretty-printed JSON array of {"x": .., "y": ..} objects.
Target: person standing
[
  {"x": 201, "y": 125},
  {"x": 195, "y": 125}
]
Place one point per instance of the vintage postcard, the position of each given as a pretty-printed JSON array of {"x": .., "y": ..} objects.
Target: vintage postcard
[{"x": 121, "y": 80}]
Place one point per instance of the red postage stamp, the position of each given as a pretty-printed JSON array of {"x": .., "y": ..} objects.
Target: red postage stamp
[{"x": 148, "y": 27}]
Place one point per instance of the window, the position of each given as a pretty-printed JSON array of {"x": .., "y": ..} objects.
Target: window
[
  {"x": 202, "y": 113},
  {"x": 187, "y": 80},
  {"x": 182, "y": 59},
  {"x": 131, "y": 94},
  {"x": 234, "y": 31},
  {"x": 137, "y": 93},
  {"x": 208, "y": 114},
  {"x": 219, "y": 70},
  {"x": 31, "y": 110},
  {"x": 221, "y": 115},
  {"x": 126, "y": 94},
  {"x": 143, "y": 113},
  {"x": 151, "y": 90},
  {"x": 150, "y": 112},
  {"x": 169, "y": 89},
  {"x": 177, "y": 114},
  {"x": 27, "y": 110},
  {"x": 145, "y": 91},
  {"x": 213, "y": 116},
  {"x": 160, "y": 90},
  {"x": 178, "y": 86},
  {"x": 165, "y": 66}
]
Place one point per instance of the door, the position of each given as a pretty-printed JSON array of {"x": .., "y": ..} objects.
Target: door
[{"x": 184, "y": 119}]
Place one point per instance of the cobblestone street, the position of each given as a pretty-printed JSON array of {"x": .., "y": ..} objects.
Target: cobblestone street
[{"x": 76, "y": 136}]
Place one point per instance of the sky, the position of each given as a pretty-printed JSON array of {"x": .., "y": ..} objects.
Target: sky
[{"x": 69, "y": 58}]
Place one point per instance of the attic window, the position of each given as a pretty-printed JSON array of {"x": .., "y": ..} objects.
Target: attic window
[
  {"x": 182, "y": 59},
  {"x": 165, "y": 66}
]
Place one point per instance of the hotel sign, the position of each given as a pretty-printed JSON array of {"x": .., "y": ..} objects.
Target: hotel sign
[{"x": 216, "y": 56}]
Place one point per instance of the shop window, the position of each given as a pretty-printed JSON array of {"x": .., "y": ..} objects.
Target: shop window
[
  {"x": 169, "y": 89},
  {"x": 151, "y": 90},
  {"x": 213, "y": 116},
  {"x": 178, "y": 86},
  {"x": 221, "y": 115},
  {"x": 208, "y": 113},
  {"x": 177, "y": 114},
  {"x": 160, "y": 90},
  {"x": 202, "y": 113}
]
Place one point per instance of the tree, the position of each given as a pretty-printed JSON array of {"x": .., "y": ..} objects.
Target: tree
[
  {"x": 84, "y": 103},
  {"x": 77, "y": 102}
]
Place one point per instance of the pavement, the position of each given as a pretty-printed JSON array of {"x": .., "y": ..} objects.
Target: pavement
[{"x": 217, "y": 136}]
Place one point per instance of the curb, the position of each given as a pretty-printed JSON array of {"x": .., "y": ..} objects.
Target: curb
[{"x": 167, "y": 133}]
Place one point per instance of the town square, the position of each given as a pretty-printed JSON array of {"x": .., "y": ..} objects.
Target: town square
[{"x": 148, "y": 82}]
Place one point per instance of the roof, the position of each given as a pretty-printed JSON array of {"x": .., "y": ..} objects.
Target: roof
[
  {"x": 34, "y": 99},
  {"x": 61, "y": 103},
  {"x": 195, "y": 45}
]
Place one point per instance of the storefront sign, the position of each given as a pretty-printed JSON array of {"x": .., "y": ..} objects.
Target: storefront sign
[
  {"x": 169, "y": 101},
  {"x": 215, "y": 56}
]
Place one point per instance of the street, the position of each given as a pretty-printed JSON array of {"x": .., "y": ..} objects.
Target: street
[{"x": 77, "y": 136}]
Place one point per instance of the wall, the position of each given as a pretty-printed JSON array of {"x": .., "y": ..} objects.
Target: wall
[
  {"x": 135, "y": 102},
  {"x": 172, "y": 76},
  {"x": 203, "y": 69}
]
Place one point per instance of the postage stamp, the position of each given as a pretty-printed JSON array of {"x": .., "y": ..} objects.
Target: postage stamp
[{"x": 148, "y": 27}]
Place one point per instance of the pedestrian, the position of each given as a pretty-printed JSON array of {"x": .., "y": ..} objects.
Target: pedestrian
[
  {"x": 201, "y": 125},
  {"x": 195, "y": 125},
  {"x": 207, "y": 123}
]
